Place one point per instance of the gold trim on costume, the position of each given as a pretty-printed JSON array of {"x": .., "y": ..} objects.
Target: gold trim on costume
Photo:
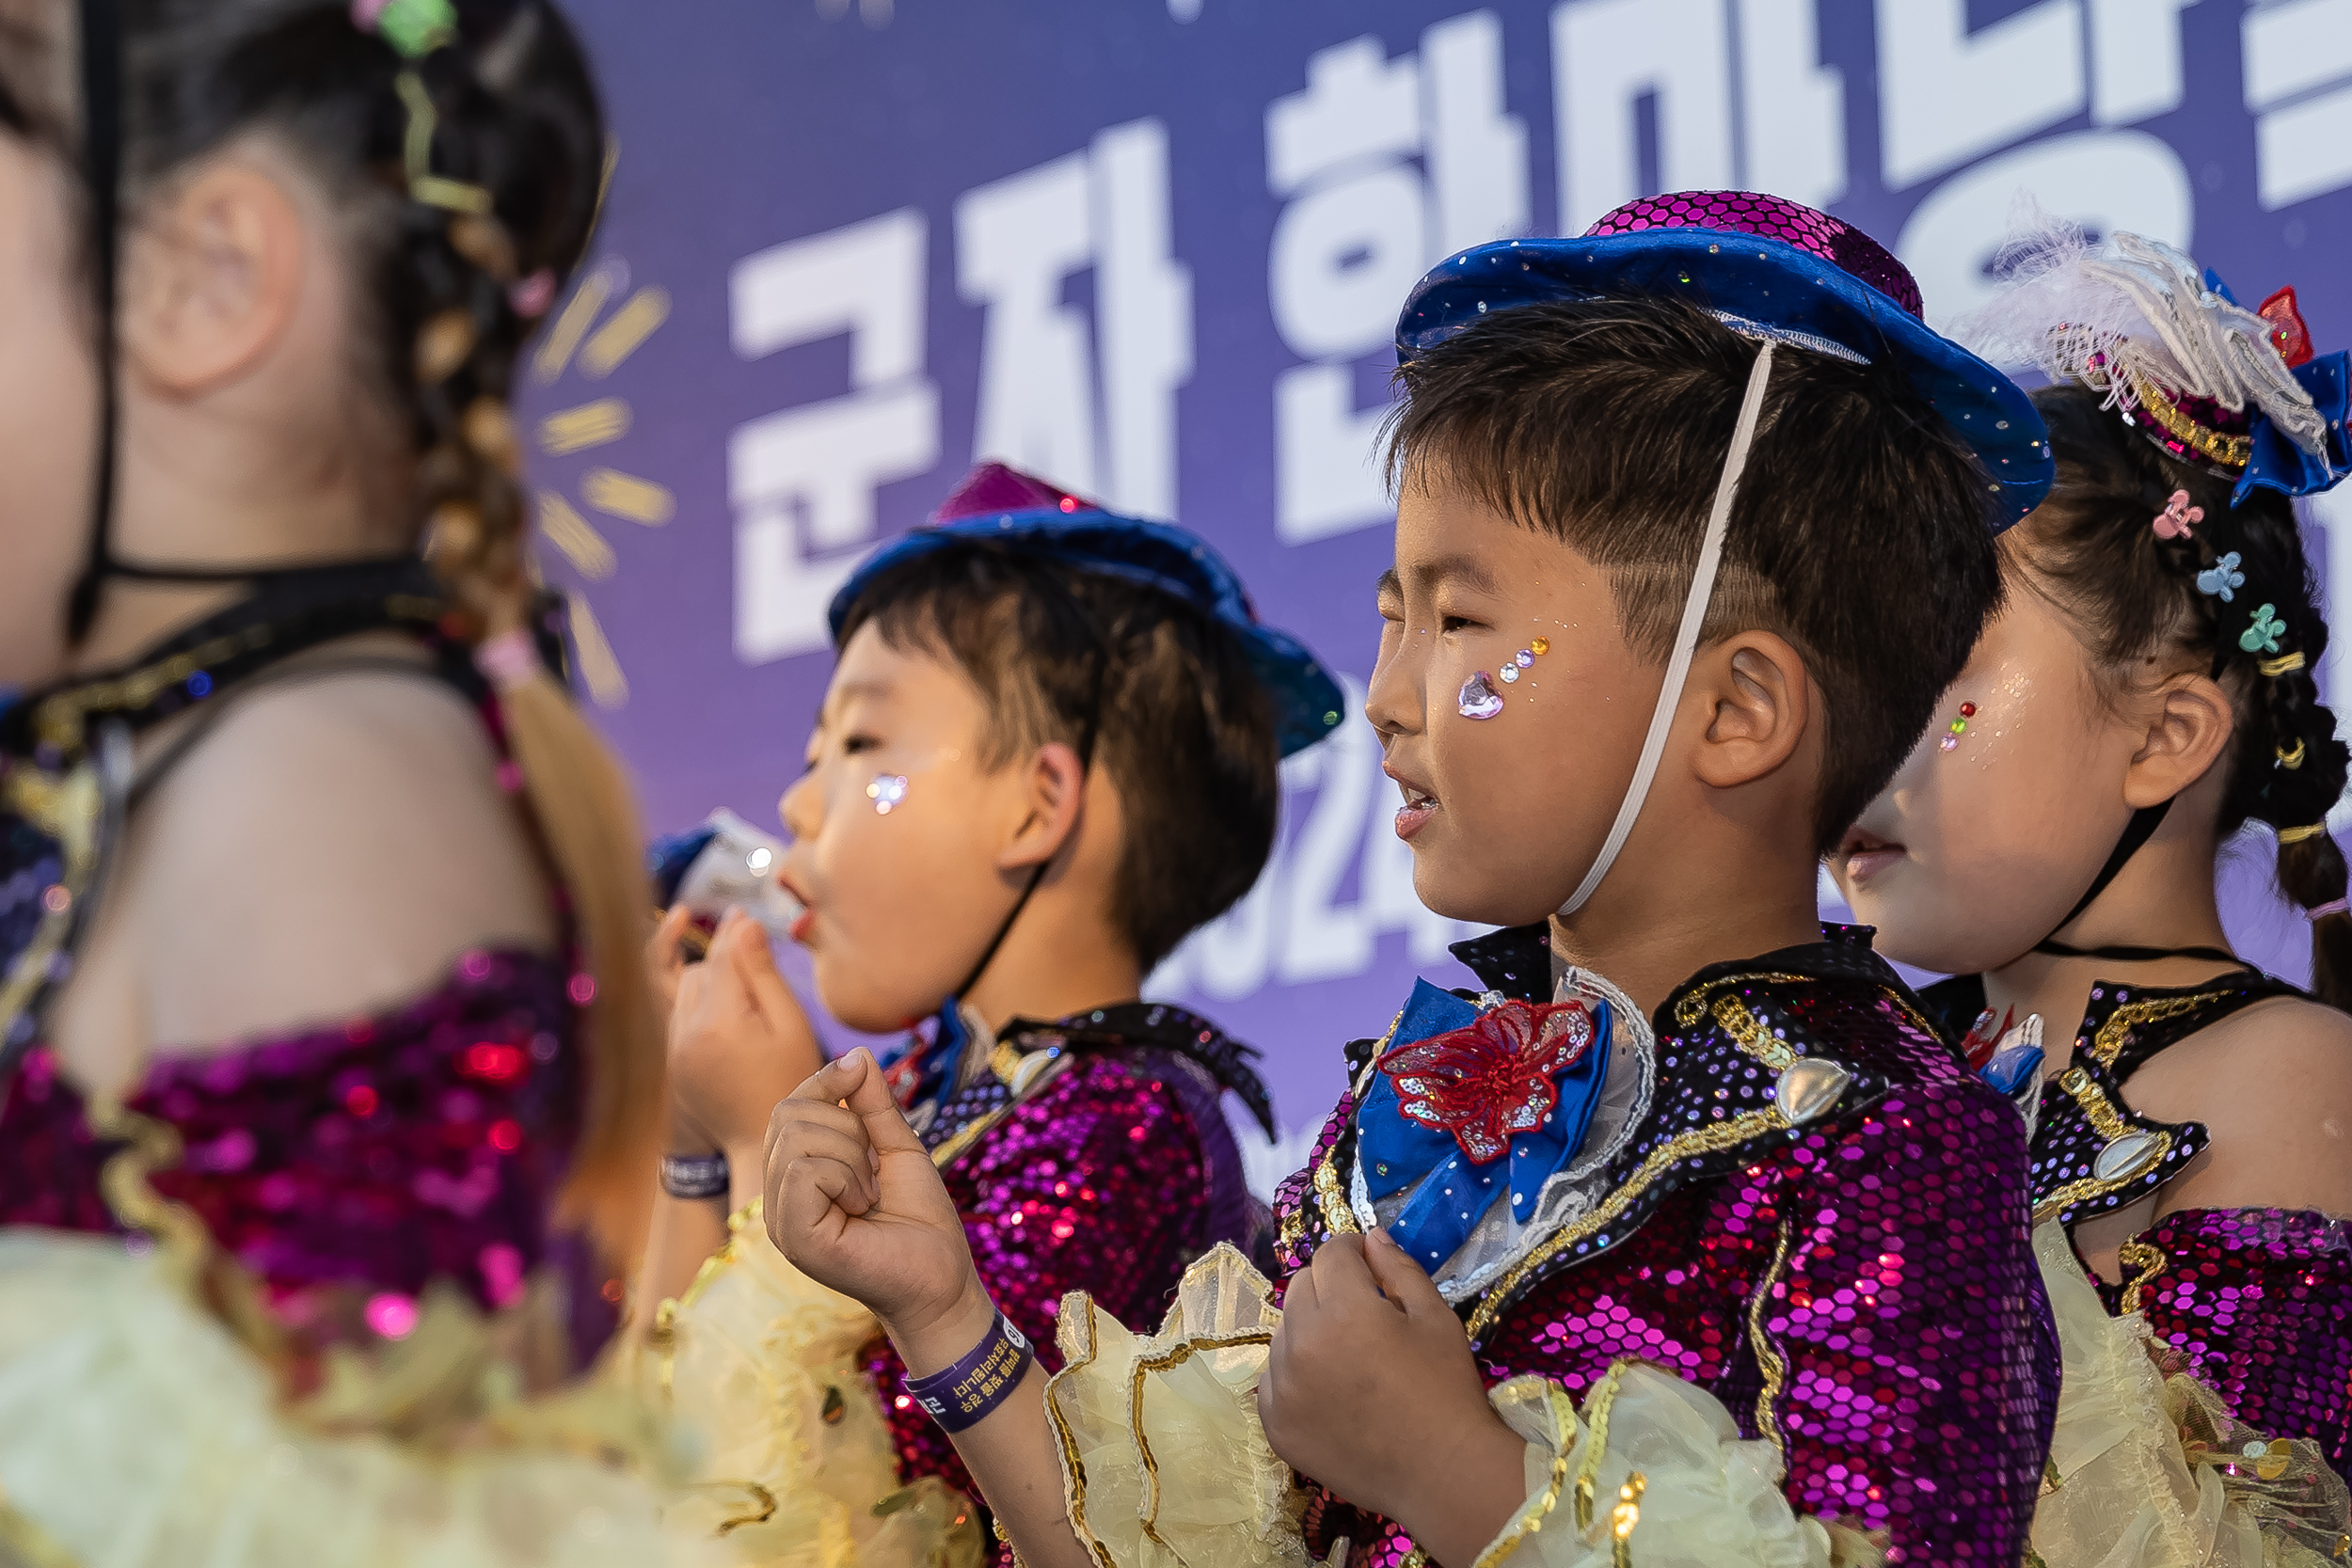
[
  {"x": 1699, "y": 1140},
  {"x": 1146, "y": 1365},
  {"x": 1074, "y": 1469},
  {"x": 1596, "y": 1407},
  {"x": 955, "y": 1146},
  {"x": 2110, "y": 1125},
  {"x": 2149, "y": 1258},
  {"x": 2109, "y": 1039},
  {"x": 1532, "y": 1513},
  {"x": 1767, "y": 1357},
  {"x": 2230, "y": 451}
]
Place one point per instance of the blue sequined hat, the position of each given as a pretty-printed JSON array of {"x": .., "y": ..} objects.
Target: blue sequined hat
[
  {"x": 1766, "y": 267},
  {"x": 1006, "y": 509}
]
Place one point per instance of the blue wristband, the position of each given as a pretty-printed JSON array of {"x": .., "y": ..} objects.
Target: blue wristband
[{"x": 964, "y": 1394}]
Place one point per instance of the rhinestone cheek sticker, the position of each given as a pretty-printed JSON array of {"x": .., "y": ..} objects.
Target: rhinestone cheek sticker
[
  {"x": 1479, "y": 699},
  {"x": 887, "y": 791}
]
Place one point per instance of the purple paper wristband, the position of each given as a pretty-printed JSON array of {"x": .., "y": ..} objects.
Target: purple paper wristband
[{"x": 964, "y": 1394}]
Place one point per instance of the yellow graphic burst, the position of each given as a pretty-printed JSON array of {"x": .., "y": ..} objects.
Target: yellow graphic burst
[{"x": 597, "y": 349}]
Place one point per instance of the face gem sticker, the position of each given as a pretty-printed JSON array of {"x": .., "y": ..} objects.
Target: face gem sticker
[
  {"x": 1510, "y": 673},
  {"x": 1479, "y": 699},
  {"x": 887, "y": 791}
]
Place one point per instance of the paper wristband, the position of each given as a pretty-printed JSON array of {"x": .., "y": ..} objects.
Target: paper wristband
[{"x": 962, "y": 1395}]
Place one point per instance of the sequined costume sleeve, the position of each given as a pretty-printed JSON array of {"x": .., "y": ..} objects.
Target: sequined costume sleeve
[
  {"x": 2258, "y": 1303},
  {"x": 1896, "y": 1338},
  {"x": 1102, "y": 1181},
  {"x": 2149, "y": 1469}
]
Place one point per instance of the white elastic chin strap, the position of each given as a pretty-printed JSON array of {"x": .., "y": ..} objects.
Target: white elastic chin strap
[{"x": 1687, "y": 637}]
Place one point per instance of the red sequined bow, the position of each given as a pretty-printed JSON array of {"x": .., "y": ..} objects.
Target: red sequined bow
[
  {"x": 2288, "y": 334},
  {"x": 1493, "y": 1078}
]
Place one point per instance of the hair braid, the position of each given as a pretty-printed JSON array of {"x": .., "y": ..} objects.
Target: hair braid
[
  {"x": 516, "y": 116},
  {"x": 2134, "y": 595}
]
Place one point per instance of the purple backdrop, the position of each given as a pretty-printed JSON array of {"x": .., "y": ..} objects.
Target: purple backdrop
[{"x": 1154, "y": 248}]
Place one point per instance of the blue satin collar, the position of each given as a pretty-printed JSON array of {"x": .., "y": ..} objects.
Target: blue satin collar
[{"x": 1453, "y": 1192}]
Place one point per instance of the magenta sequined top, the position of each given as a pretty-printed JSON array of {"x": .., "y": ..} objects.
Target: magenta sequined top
[
  {"x": 2258, "y": 1301},
  {"x": 1859, "y": 1290},
  {"x": 1110, "y": 1176},
  {"x": 357, "y": 1161}
]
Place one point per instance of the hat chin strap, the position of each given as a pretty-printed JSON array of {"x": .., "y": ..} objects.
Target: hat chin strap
[{"x": 1687, "y": 636}]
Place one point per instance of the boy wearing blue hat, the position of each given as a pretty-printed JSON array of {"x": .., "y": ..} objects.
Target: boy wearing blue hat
[
  {"x": 1646, "y": 1244},
  {"x": 1048, "y": 752}
]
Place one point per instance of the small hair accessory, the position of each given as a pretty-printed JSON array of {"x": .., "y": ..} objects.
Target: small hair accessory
[
  {"x": 2334, "y": 905},
  {"x": 414, "y": 29},
  {"x": 2297, "y": 835},
  {"x": 508, "y": 661},
  {"x": 2222, "y": 579},
  {"x": 530, "y": 297},
  {"x": 2292, "y": 758},
  {"x": 887, "y": 791},
  {"x": 2286, "y": 664},
  {"x": 2263, "y": 636},
  {"x": 2178, "y": 516},
  {"x": 1478, "y": 698}
]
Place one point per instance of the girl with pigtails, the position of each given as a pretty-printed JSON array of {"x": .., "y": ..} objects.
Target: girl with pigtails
[
  {"x": 2148, "y": 691},
  {"x": 322, "y": 1042}
]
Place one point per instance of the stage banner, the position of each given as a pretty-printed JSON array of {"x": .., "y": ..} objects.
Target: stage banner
[{"x": 1155, "y": 249}]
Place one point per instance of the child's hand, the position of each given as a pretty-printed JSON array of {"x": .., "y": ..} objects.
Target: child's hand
[
  {"x": 1369, "y": 1388},
  {"x": 739, "y": 1042},
  {"x": 666, "y": 956},
  {"x": 854, "y": 1202}
]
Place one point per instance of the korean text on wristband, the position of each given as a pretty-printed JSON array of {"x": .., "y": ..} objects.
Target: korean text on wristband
[{"x": 964, "y": 1394}]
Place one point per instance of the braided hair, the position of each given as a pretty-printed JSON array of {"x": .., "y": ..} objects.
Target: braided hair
[
  {"x": 446, "y": 295},
  {"x": 2134, "y": 594}
]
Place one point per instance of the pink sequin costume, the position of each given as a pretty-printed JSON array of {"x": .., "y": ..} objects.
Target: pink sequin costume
[
  {"x": 1109, "y": 1171},
  {"x": 2259, "y": 1300},
  {"x": 369, "y": 1156},
  {"x": 1860, "y": 1288}
]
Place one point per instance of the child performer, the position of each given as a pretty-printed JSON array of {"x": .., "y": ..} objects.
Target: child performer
[
  {"x": 319, "y": 904},
  {"x": 1048, "y": 753},
  {"x": 2147, "y": 691},
  {"x": 1726, "y": 1186}
]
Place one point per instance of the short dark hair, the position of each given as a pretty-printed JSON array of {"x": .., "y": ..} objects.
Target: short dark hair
[
  {"x": 1178, "y": 722},
  {"x": 2130, "y": 596},
  {"x": 1861, "y": 532}
]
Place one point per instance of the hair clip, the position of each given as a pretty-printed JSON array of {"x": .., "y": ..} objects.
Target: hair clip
[
  {"x": 2178, "y": 516},
  {"x": 414, "y": 29},
  {"x": 2290, "y": 758},
  {"x": 424, "y": 185},
  {"x": 2263, "y": 636},
  {"x": 2297, "y": 835},
  {"x": 2222, "y": 579},
  {"x": 530, "y": 297},
  {"x": 2286, "y": 664}
]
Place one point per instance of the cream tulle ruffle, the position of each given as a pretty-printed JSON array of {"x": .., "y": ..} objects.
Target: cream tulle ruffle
[
  {"x": 2149, "y": 1471},
  {"x": 136, "y": 1432},
  {"x": 761, "y": 1364},
  {"x": 1164, "y": 1463}
]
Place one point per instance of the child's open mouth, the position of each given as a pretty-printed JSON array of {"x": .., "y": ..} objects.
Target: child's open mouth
[
  {"x": 1418, "y": 807},
  {"x": 1864, "y": 856}
]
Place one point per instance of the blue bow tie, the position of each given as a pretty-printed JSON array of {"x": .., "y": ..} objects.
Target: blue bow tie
[{"x": 1467, "y": 1103}]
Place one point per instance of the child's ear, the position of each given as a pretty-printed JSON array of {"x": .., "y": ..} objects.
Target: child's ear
[
  {"x": 2186, "y": 736},
  {"x": 1760, "y": 701},
  {"x": 1055, "y": 783},
  {"x": 213, "y": 274}
]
